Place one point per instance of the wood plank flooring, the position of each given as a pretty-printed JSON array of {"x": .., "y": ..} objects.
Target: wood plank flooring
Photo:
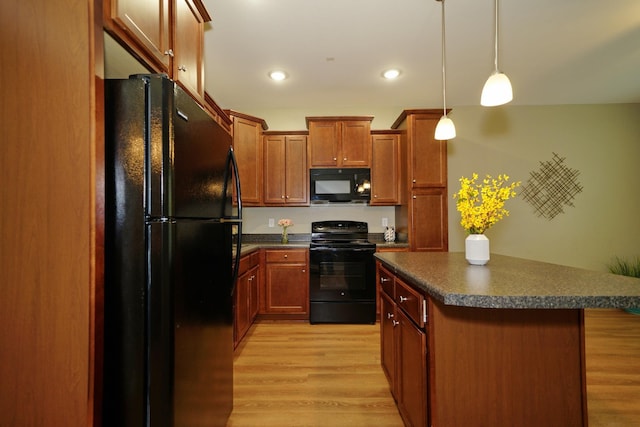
[
  {"x": 612, "y": 347},
  {"x": 292, "y": 374}
]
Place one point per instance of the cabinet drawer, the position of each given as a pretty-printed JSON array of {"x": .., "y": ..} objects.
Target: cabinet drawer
[
  {"x": 410, "y": 301},
  {"x": 248, "y": 261},
  {"x": 245, "y": 264},
  {"x": 286, "y": 255},
  {"x": 386, "y": 281},
  {"x": 255, "y": 258}
]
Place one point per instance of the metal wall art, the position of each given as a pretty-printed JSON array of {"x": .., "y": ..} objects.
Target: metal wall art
[{"x": 551, "y": 188}]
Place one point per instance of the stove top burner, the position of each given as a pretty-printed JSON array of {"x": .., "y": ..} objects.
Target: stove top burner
[{"x": 339, "y": 233}]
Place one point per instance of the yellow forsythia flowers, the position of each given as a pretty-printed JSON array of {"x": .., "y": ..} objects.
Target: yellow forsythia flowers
[{"x": 482, "y": 204}]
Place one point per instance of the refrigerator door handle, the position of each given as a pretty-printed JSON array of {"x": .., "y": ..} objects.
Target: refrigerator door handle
[
  {"x": 232, "y": 165},
  {"x": 236, "y": 259}
]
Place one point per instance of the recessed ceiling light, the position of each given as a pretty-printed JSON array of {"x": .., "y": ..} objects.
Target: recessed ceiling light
[
  {"x": 278, "y": 75},
  {"x": 391, "y": 74}
]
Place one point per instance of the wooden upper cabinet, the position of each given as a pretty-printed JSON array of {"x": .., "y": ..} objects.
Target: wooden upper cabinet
[
  {"x": 428, "y": 155},
  {"x": 285, "y": 170},
  {"x": 274, "y": 169},
  {"x": 167, "y": 35},
  {"x": 356, "y": 143},
  {"x": 188, "y": 63},
  {"x": 339, "y": 141},
  {"x": 143, "y": 26},
  {"x": 385, "y": 168},
  {"x": 247, "y": 145},
  {"x": 324, "y": 145},
  {"x": 423, "y": 208}
]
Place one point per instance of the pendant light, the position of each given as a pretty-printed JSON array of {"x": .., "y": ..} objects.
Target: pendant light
[
  {"x": 497, "y": 90},
  {"x": 445, "y": 128}
]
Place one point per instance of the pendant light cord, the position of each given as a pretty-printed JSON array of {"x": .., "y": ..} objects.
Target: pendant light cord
[
  {"x": 444, "y": 71},
  {"x": 496, "y": 40}
]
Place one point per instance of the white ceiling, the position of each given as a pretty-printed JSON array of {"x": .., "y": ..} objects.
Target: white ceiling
[{"x": 554, "y": 52}]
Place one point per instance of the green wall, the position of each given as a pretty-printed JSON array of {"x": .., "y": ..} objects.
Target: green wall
[{"x": 602, "y": 142}]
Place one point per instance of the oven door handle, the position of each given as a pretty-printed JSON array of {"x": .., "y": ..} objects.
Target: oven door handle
[{"x": 334, "y": 249}]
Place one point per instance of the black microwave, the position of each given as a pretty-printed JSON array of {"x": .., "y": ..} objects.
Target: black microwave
[{"x": 348, "y": 185}]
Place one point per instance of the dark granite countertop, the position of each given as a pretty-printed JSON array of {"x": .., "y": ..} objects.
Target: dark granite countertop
[
  {"x": 252, "y": 242},
  {"x": 507, "y": 282}
]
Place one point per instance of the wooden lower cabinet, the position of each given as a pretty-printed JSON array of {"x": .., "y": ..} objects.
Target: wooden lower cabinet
[
  {"x": 286, "y": 284},
  {"x": 387, "y": 340},
  {"x": 411, "y": 361},
  {"x": 403, "y": 347},
  {"x": 462, "y": 366},
  {"x": 386, "y": 249},
  {"x": 246, "y": 296}
]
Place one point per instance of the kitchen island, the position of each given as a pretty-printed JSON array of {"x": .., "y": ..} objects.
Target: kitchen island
[{"x": 503, "y": 343}]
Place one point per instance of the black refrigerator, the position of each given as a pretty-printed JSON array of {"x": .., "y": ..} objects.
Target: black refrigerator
[{"x": 172, "y": 246}]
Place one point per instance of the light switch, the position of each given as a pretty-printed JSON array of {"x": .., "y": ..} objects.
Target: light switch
[
  {"x": 385, "y": 222},
  {"x": 272, "y": 222}
]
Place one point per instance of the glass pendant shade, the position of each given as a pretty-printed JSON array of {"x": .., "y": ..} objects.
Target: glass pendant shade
[
  {"x": 445, "y": 129},
  {"x": 497, "y": 90}
]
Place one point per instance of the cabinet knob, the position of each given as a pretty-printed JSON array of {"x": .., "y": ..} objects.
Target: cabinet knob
[
  {"x": 304, "y": 271},
  {"x": 335, "y": 159},
  {"x": 286, "y": 256},
  {"x": 403, "y": 299},
  {"x": 414, "y": 181},
  {"x": 384, "y": 280},
  {"x": 415, "y": 197},
  {"x": 395, "y": 323},
  {"x": 287, "y": 197},
  {"x": 182, "y": 68},
  {"x": 169, "y": 52},
  {"x": 344, "y": 159},
  {"x": 282, "y": 197},
  {"x": 389, "y": 315}
]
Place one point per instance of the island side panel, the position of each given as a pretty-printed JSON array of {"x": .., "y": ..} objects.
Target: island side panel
[{"x": 506, "y": 366}]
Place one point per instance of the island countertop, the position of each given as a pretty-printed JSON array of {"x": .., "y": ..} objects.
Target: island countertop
[{"x": 508, "y": 282}]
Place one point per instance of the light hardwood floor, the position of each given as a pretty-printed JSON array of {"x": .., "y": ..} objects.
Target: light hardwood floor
[
  {"x": 612, "y": 348},
  {"x": 290, "y": 374}
]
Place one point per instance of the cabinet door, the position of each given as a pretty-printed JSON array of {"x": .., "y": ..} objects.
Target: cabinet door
[
  {"x": 287, "y": 288},
  {"x": 296, "y": 171},
  {"x": 387, "y": 340},
  {"x": 188, "y": 65},
  {"x": 254, "y": 296},
  {"x": 385, "y": 172},
  {"x": 428, "y": 156},
  {"x": 145, "y": 24},
  {"x": 241, "y": 316},
  {"x": 429, "y": 228},
  {"x": 411, "y": 371},
  {"x": 356, "y": 144},
  {"x": 274, "y": 169},
  {"x": 247, "y": 144},
  {"x": 324, "y": 139}
]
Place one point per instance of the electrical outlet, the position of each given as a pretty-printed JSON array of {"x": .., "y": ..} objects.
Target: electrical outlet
[
  {"x": 272, "y": 222},
  {"x": 385, "y": 222}
]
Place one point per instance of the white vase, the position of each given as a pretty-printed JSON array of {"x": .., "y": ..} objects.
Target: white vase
[{"x": 476, "y": 249}]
